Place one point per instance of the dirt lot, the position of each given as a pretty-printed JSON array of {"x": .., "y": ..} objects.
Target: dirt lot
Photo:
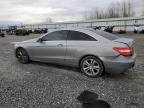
[{"x": 40, "y": 85}]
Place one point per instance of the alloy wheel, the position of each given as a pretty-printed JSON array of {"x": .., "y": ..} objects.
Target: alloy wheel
[
  {"x": 22, "y": 56},
  {"x": 92, "y": 66}
]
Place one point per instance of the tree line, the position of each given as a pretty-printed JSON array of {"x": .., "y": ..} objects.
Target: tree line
[{"x": 114, "y": 10}]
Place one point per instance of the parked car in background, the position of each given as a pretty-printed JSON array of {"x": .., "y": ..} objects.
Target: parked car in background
[
  {"x": 93, "y": 51},
  {"x": 11, "y": 30},
  {"x": 30, "y": 31},
  {"x": 142, "y": 31},
  {"x": 2, "y": 34},
  {"x": 97, "y": 28},
  {"x": 109, "y": 29},
  {"x": 42, "y": 30},
  {"x": 121, "y": 31},
  {"x": 22, "y": 32}
]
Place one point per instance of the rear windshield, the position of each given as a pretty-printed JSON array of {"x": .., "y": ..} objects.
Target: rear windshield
[{"x": 105, "y": 34}]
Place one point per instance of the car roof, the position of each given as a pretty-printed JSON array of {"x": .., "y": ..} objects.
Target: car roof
[
  {"x": 84, "y": 30},
  {"x": 88, "y": 31}
]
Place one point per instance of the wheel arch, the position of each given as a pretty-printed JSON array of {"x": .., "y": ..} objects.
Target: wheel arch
[
  {"x": 91, "y": 55},
  {"x": 20, "y": 48}
]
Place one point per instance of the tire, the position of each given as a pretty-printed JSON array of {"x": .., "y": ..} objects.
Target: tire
[
  {"x": 92, "y": 67},
  {"x": 22, "y": 55}
]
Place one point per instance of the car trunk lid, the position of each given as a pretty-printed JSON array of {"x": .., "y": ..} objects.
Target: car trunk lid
[{"x": 127, "y": 41}]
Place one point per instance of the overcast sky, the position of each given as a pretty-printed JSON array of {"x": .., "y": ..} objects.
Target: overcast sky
[{"x": 35, "y": 11}]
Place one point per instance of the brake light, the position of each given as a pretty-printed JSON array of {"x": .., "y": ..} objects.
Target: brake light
[{"x": 124, "y": 51}]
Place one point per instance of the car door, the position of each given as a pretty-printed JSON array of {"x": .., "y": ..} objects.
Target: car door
[
  {"x": 52, "y": 47},
  {"x": 78, "y": 44}
]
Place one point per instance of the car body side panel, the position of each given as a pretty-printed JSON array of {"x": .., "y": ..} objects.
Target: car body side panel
[
  {"x": 48, "y": 51},
  {"x": 77, "y": 49}
]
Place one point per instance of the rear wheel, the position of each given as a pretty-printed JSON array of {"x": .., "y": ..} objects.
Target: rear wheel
[
  {"x": 22, "y": 56},
  {"x": 91, "y": 66}
]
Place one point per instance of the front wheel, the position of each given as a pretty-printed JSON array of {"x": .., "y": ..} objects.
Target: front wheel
[
  {"x": 91, "y": 66},
  {"x": 22, "y": 56}
]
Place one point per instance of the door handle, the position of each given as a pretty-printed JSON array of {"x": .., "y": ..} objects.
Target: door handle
[{"x": 60, "y": 45}]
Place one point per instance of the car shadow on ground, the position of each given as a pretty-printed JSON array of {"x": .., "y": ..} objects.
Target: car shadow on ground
[
  {"x": 126, "y": 75},
  {"x": 74, "y": 69},
  {"x": 55, "y": 66}
]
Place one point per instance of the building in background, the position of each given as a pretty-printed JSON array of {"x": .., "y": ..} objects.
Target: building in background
[{"x": 127, "y": 24}]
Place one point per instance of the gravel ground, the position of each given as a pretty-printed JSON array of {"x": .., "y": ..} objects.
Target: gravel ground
[{"x": 41, "y": 85}]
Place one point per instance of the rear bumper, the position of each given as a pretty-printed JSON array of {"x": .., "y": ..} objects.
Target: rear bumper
[{"x": 118, "y": 64}]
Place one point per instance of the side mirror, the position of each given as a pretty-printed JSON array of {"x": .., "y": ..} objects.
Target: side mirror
[{"x": 40, "y": 40}]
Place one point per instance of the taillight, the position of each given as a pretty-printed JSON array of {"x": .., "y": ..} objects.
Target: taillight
[{"x": 124, "y": 51}]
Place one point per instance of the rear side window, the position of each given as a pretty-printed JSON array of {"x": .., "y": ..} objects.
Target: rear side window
[
  {"x": 79, "y": 36},
  {"x": 57, "y": 35},
  {"x": 106, "y": 34}
]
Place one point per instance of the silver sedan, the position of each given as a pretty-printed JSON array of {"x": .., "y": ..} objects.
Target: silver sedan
[{"x": 93, "y": 51}]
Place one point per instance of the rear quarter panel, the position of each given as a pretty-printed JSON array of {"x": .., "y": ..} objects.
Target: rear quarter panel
[{"x": 77, "y": 49}]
